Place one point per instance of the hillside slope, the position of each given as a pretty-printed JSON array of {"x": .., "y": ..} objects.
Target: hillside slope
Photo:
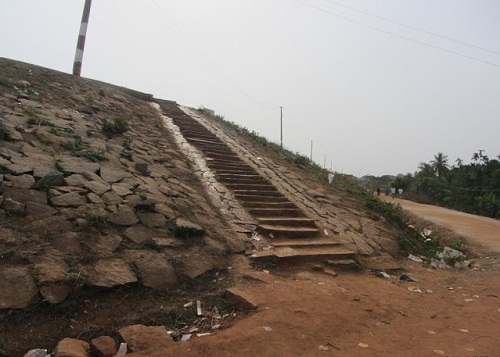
[{"x": 107, "y": 220}]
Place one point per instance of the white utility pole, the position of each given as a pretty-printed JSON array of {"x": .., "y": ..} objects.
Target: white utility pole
[{"x": 80, "y": 46}]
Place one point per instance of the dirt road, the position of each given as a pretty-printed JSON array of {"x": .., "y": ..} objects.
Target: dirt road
[{"x": 478, "y": 230}]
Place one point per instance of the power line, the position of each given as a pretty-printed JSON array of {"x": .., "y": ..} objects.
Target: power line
[
  {"x": 208, "y": 63},
  {"x": 413, "y": 28},
  {"x": 400, "y": 36}
]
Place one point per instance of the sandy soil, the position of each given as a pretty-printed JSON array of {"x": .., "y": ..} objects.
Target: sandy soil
[{"x": 478, "y": 230}]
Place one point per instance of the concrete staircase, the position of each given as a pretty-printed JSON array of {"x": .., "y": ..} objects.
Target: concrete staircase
[{"x": 294, "y": 235}]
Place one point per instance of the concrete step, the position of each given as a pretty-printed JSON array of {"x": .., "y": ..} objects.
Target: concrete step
[
  {"x": 306, "y": 243},
  {"x": 242, "y": 179},
  {"x": 273, "y": 205},
  {"x": 231, "y": 157},
  {"x": 257, "y": 193},
  {"x": 287, "y": 231},
  {"x": 214, "y": 142},
  {"x": 288, "y": 254},
  {"x": 254, "y": 198},
  {"x": 275, "y": 212},
  {"x": 218, "y": 169},
  {"x": 287, "y": 221},
  {"x": 217, "y": 150},
  {"x": 252, "y": 187},
  {"x": 205, "y": 141},
  {"x": 230, "y": 167}
]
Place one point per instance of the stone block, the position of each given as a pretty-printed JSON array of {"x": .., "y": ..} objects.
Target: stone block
[
  {"x": 104, "y": 346},
  {"x": 17, "y": 288},
  {"x": 146, "y": 339},
  {"x": 70, "y": 347},
  {"x": 111, "y": 272},
  {"x": 123, "y": 218}
]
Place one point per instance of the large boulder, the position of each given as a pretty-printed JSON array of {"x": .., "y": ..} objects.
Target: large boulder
[
  {"x": 146, "y": 339},
  {"x": 156, "y": 272},
  {"x": 17, "y": 288},
  {"x": 70, "y": 347},
  {"x": 110, "y": 272},
  {"x": 123, "y": 218}
]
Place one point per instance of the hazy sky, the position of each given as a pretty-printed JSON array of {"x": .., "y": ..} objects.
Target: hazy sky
[{"x": 377, "y": 86}]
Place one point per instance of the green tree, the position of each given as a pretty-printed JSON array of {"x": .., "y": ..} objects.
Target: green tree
[{"x": 440, "y": 164}]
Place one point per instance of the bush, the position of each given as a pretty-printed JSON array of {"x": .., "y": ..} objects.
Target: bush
[{"x": 118, "y": 125}]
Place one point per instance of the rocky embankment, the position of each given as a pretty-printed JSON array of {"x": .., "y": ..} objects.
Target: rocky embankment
[{"x": 94, "y": 193}]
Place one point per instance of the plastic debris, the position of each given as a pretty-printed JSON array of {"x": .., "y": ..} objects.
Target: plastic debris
[
  {"x": 414, "y": 289},
  {"x": 251, "y": 227},
  {"x": 384, "y": 274},
  {"x": 36, "y": 353},
  {"x": 122, "y": 351},
  {"x": 204, "y": 334},
  {"x": 439, "y": 352},
  {"x": 469, "y": 300},
  {"x": 186, "y": 337},
  {"x": 430, "y": 332},
  {"x": 188, "y": 304},
  {"x": 427, "y": 232},
  {"x": 415, "y": 258},
  {"x": 464, "y": 330},
  {"x": 267, "y": 328},
  {"x": 405, "y": 277},
  {"x": 323, "y": 348},
  {"x": 364, "y": 345},
  {"x": 198, "y": 307}
]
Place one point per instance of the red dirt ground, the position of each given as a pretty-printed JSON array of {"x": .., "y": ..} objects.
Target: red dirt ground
[{"x": 306, "y": 313}]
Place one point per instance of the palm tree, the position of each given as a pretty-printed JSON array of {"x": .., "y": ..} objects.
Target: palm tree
[{"x": 440, "y": 164}]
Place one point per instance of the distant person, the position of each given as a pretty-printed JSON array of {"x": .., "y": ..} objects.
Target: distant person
[
  {"x": 393, "y": 192},
  {"x": 378, "y": 191},
  {"x": 400, "y": 191}
]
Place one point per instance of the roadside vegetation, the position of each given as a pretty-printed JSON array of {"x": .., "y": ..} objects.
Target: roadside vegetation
[{"x": 472, "y": 188}]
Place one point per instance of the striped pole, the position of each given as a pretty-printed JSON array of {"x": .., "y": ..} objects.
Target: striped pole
[{"x": 77, "y": 65}]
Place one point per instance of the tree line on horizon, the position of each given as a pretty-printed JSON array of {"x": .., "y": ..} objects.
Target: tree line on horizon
[{"x": 472, "y": 188}]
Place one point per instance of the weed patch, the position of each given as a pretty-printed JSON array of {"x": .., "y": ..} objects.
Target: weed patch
[
  {"x": 94, "y": 220},
  {"x": 114, "y": 127},
  {"x": 82, "y": 149}
]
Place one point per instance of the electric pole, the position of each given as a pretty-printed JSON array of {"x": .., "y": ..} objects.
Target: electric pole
[
  {"x": 77, "y": 64},
  {"x": 281, "y": 126},
  {"x": 311, "y": 158}
]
